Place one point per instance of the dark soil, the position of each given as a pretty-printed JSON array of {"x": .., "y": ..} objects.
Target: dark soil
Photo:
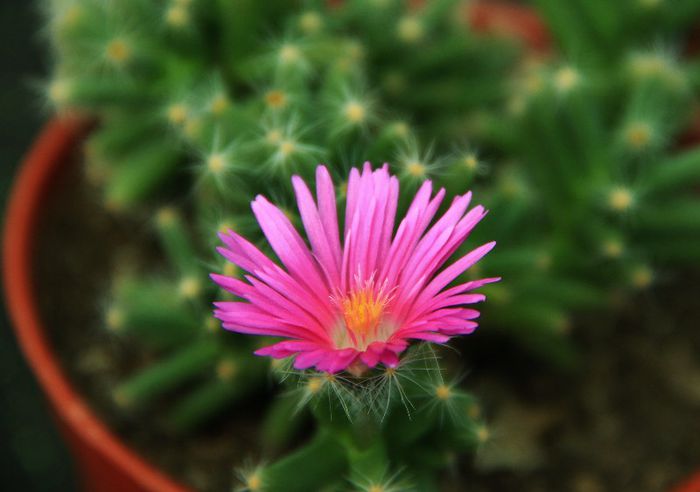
[{"x": 628, "y": 420}]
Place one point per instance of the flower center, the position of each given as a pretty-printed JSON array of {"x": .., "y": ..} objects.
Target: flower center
[{"x": 362, "y": 311}]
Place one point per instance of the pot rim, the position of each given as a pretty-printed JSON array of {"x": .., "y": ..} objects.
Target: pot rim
[{"x": 34, "y": 177}]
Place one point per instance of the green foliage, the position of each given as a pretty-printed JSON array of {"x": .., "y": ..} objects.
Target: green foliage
[
  {"x": 203, "y": 104},
  {"x": 371, "y": 424},
  {"x": 609, "y": 194}
]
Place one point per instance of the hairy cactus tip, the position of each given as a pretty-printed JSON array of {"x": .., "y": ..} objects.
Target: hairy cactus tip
[{"x": 355, "y": 305}]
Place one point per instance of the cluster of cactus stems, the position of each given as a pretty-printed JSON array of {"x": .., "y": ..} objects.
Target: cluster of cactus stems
[
  {"x": 202, "y": 104},
  {"x": 593, "y": 134}
]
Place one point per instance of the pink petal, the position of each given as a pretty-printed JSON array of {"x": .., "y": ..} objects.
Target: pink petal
[
  {"x": 316, "y": 232},
  {"x": 429, "y": 336},
  {"x": 456, "y": 269},
  {"x": 286, "y": 348},
  {"x": 337, "y": 360},
  {"x": 389, "y": 359},
  {"x": 289, "y": 246},
  {"x": 325, "y": 194},
  {"x": 369, "y": 358}
]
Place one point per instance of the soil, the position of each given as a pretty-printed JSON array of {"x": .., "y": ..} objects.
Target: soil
[{"x": 627, "y": 420}]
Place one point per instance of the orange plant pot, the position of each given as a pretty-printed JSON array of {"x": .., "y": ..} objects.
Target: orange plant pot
[
  {"x": 690, "y": 485},
  {"x": 105, "y": 463},
  {"x": 511, "y": 20}
]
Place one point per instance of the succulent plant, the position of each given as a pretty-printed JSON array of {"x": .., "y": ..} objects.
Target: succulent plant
[
  {"x": 600, "y": 200},
  {"x": 204, "y": 104},
  {"x": 193, "y": 103}
]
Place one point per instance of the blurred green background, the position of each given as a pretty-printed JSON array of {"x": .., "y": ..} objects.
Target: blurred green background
[{"x": 32, "y": 455}]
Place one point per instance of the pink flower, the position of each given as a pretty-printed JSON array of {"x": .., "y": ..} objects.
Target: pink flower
[{"x": 356, "y": 303}]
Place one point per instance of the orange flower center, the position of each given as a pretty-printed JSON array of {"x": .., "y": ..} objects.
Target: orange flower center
[
  {"x": 362, "y": 311},
  {"x": 363, "y": 315}
]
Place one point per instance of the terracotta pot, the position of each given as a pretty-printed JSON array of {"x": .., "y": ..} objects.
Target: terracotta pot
[
  {"x": 105, "y": 463},
  {"x": 512, "y": 20},
  {"x": 691, "y": 485}
]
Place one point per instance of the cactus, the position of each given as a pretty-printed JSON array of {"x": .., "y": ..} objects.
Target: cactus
[
  {"x": 248, "y": 118},
  {"x": 595, "y": 133},
  {"x": 396, "y": 427},
  {"x": 158, "y": 72},
  {"x": 203, "y": 104}
]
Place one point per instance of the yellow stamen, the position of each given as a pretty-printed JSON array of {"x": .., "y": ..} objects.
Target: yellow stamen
[
  {"x": 565, "y": 79},
  {"x": 219, "y": 104},
  {"x": 443, "y": 392},
  {"x": 70, "y": 17},
  {"x": 410, "y": 30},
  {"x": 620, "y": 199},
  {"x": 114, "y": 319},
  {"x": 310, "y": 22},
  {"x": 59, "y": 92},
  {"x": 166, "y": 217},
  {"x": 276, "y": 99},
  {"x": 177, "y": 113},
  {"x": 355, "y": 112},
  {"x": 362, "y": 311},
  {"x": 216, "y": 163},
  {"x": 177, "y": 16},
  {"x": 211, "y": 325},
  {"x": 645, "y": 65},
  {"x": 400, "y": 129},
  {"x": 287, "y": 148},
  {"x": 471, "y": 162},
  {"x": 118, "y": 51},
  {"x": 226, "y": 370},
  {"x": 230, "y": 270},
  {"x": 642, "y": 277},
  {"x": 189, "y": 287},
  {"x": 226, "y": 225},
  {"x": 638, "y": 135},
  {"x": 254, "y": 482},
  {"x": 416, "y": 169},
  {"x": 289, "y": 54},
  {"x": 613, "y": 248},
  {"x": 482, "y": 434},
  {"x": 314, "y": 385},
  {"x": 273, "y": 137}
]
